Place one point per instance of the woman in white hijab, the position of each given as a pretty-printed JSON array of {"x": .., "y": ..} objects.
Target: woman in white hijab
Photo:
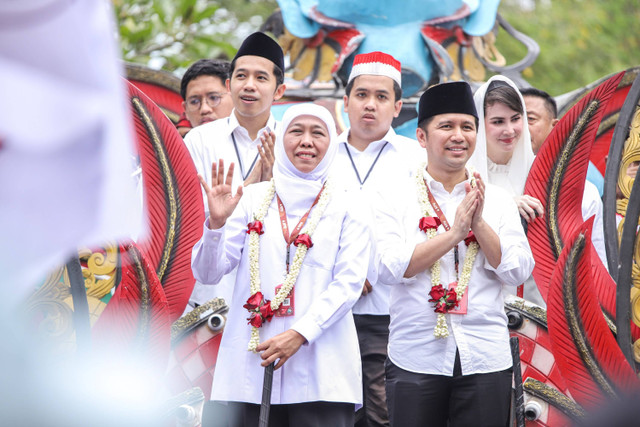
[
  {"x": 325, "y": 266},
  {"x": 503, "y": 154}
]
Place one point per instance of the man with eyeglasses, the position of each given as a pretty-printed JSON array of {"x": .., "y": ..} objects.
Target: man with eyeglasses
[{"x": 205, "y": 95}]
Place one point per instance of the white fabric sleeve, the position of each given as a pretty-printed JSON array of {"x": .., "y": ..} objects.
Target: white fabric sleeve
[
  {"x": 349, "y": 272},
  {"x": 218, "y": 251},
  {"x": 394, "y": 251},
  {"x": 516, "y": 263}
]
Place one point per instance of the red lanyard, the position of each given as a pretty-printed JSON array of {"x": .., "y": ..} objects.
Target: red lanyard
[
  {"x": 443, "y": 220},
  {"x": 285, "y": 225}
]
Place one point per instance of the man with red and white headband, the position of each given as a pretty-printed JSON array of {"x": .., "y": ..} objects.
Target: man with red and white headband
[
  {"x": 368, "y": 152},
  {"x": 448, "y": 242}
]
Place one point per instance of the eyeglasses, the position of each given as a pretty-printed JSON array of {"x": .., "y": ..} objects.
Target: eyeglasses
[{"x": 212, "y": 99}]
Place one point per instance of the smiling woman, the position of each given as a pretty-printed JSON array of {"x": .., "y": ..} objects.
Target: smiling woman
[
  {"x": 503, "y": 153},
  {"x": 305, "y": 230},
  {"x": 306, "y": 141}
]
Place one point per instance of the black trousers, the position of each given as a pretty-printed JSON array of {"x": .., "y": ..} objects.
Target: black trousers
[
  {"x": 373, "y": 337},
  {"x": 308, "y": 414},
  {"x": 478, "y": 400}
]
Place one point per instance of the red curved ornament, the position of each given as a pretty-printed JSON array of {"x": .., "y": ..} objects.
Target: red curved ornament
[
  {"x": 137, "y": 315},
  {"x": 557, "y": 179},
  {"x": 163, "y": 88},
  {"x": 173, "y": 199},
  {"x": 586, "y": 351}
]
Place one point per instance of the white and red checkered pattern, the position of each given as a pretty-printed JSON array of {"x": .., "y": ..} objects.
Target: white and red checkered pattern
[{"x": 193, "y": 360}]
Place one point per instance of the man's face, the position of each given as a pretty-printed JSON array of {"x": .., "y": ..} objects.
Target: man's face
[
  {"x": 253, "y": 86},
  {"x": 207, "y": 99},
  {"x": 449, "y": 140},
  {"x": 371, "y": 107},
  {"x": 540, "y": 121}
]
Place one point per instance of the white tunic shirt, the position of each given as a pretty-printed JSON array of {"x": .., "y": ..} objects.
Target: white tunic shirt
[
  {"x": 481, "y": 335},
  {"x": 207, "y": 144},
  {"x": 327, "y": 368},
  {"x": 215, "y": 140},
  {"x": 392, "y": 155}
]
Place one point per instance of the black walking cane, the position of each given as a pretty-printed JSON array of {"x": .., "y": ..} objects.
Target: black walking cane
[
  {"x": 265, "y": 406},
  {"x": 517, "y": 381}
]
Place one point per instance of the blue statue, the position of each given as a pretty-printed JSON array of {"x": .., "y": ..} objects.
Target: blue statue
[{"x": 435, "y": 40}]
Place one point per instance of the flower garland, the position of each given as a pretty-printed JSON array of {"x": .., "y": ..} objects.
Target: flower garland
[
  {"x": 444, "y": 300},
  {"x": 262, "y": 309}
]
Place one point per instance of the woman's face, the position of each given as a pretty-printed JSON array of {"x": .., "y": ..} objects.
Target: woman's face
[
  {"x": 306, "y": 141},
  {"x": 503, "y": 127}
]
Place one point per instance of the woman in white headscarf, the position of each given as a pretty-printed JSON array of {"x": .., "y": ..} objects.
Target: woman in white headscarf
[
  {"x": 312, "y": 338},
  {"x": 503, "y": 154}
]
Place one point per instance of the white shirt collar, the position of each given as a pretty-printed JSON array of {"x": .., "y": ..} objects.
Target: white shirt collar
[
  {"x": 233, "y": 123},
  {"x": 435, "y": 185},
  {"x": 389, "y": 137}
]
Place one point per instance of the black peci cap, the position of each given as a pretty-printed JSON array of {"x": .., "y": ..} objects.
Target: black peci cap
[
  {"x": 260, "y": 44},
  {"x": 444, "y": 98}
]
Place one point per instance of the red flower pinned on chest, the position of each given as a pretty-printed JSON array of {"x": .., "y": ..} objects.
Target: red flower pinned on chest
[
  {"x": 255, "y": 226},
  {"x": 445, "y": 299},
  {"x": 260, "y": 310},
  {"x": 470, "y": 238},
  {"x": 304, "y": 239},
  {"x": 429, "y": 222}
]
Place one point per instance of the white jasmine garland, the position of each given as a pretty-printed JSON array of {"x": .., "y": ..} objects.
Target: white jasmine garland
[
  {"x": 301, "y": 252},
  {"x": 441, "y": 329}
]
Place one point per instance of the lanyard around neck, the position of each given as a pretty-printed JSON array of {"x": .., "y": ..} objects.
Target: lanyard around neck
[
  {"x": 290, "y": 238},
  {"x": 362, "y": 181},
  {"x": 255, "y": 159}
]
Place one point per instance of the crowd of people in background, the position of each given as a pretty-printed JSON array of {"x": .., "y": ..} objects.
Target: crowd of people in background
[{"x": 370, "y": 268}]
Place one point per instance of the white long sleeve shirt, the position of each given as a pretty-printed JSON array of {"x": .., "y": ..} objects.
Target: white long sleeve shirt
[
  {"x": 394, "y": 155},
  {"x": 207, "y": 144},
  {"x": 215, "y": 140},
  {"x": 327, "y": 368},
  {"x": 481, "y": 335}
]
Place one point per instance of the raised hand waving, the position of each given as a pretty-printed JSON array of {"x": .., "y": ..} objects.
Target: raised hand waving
[{"x": 220, "y": 198}]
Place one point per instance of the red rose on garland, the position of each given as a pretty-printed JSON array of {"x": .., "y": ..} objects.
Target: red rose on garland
[
  {"x": 266, "y": 312},
  {"x": 441, "y": 307},
  {"x": 436, "y": 293},
  {"x": 451, "y": 299},
  {"x": 470, "y": 238},
  {"x": 260, "y": 310},
  {"x": 254, "y": 301},
  {"x": 445, "y": 299},
  {"x": 255, "y": 320},
  {"x": 255, "y": 226},
  {"x": 305, "y": 239},
  {"x": 428, "y": 222}
]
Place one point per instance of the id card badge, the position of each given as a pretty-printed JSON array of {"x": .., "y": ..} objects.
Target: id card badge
[
  {"x": 462, "y": 304},
  {"x": 287, "y": 306}
]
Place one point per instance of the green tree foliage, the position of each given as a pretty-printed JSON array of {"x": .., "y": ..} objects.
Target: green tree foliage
[
  {"x": 171, "y": 34},
  {"x": 580, "y": 40}
]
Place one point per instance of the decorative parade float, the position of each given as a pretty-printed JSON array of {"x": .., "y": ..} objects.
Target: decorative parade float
[{"x": 575, "y": 356}]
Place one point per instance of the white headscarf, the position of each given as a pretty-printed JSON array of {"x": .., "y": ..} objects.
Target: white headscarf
[
  {"x": 522, "y": 154},
  {"x": 297, "y": 189}
]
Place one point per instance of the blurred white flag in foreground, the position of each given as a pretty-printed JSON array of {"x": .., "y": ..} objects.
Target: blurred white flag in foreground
[
  {"x": 66, "y": 149},
  {"x": 66, "y": 158}
]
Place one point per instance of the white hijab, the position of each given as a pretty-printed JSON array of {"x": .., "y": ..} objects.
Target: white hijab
[
  {"x": 297, "y": 189},
  {"x": 522, "y": 154}
]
